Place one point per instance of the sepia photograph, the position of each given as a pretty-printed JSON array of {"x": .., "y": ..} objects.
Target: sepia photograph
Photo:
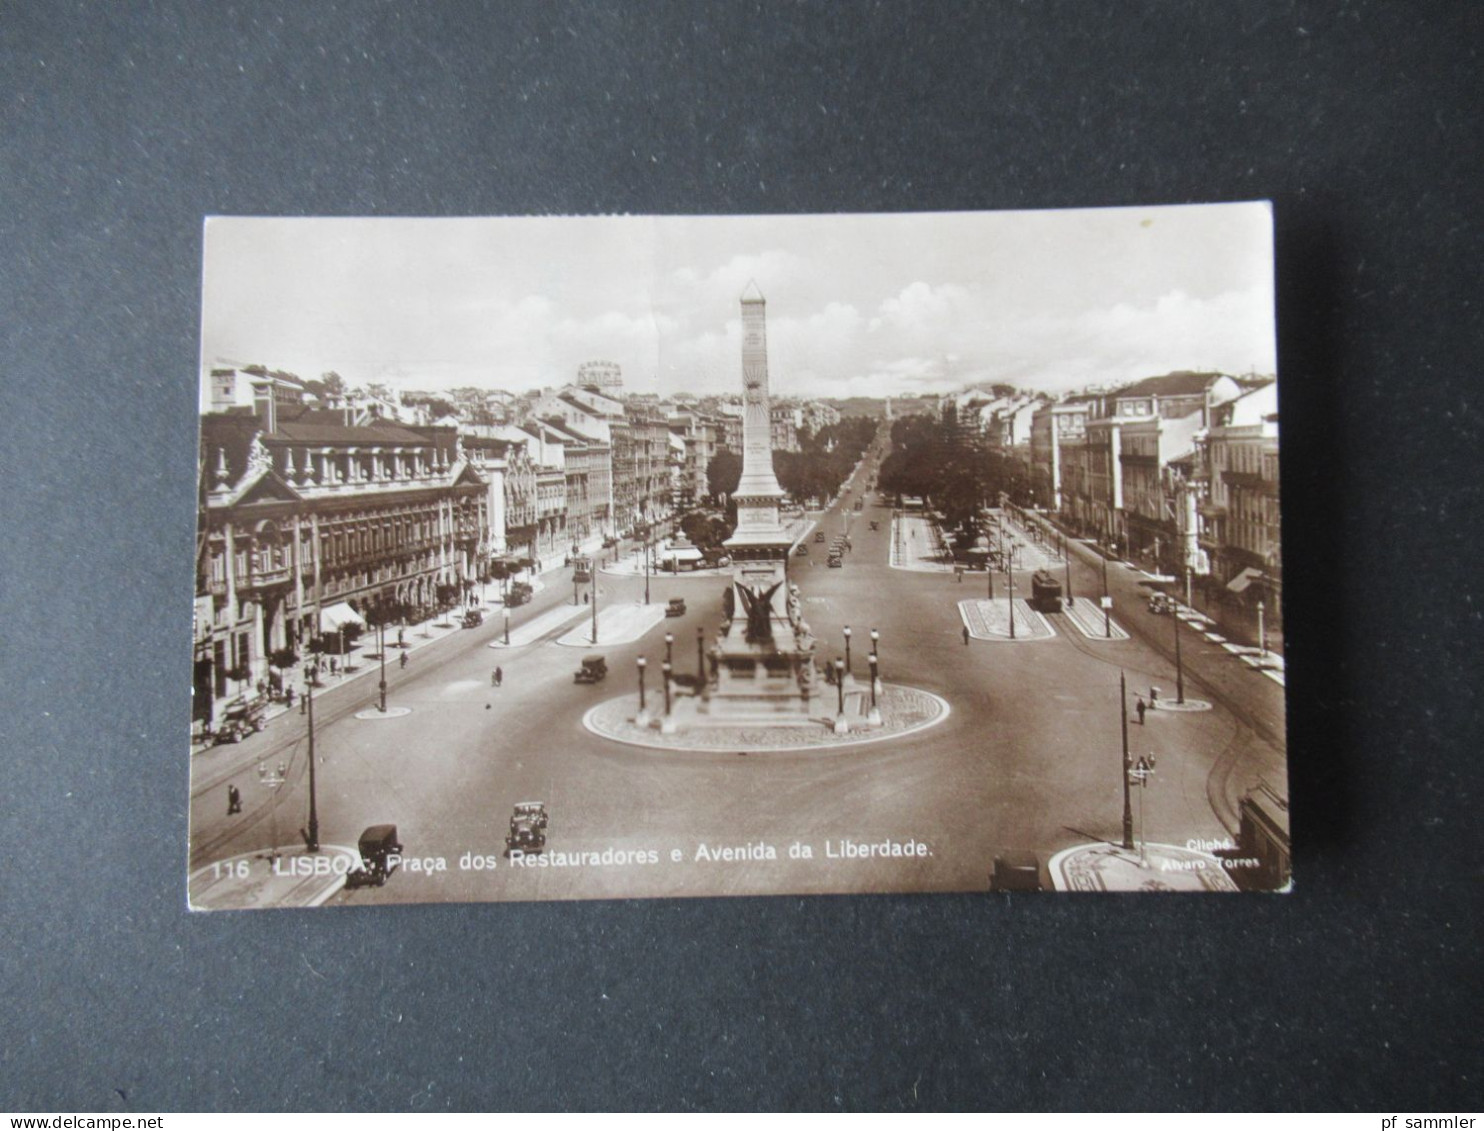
[{"x": 549, "y": 558}]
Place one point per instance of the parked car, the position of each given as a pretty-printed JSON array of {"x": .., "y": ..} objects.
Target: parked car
[{"x": 473, "y": 618}]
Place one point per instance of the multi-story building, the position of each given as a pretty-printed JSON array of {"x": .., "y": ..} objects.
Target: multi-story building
[
  {"x": 1053, "y": 426},
  {"x": 649, "y": 432},
  {"x": 817, "y": 416},
  {"x": 784, "y": 421},
  {"x": 1240, "y": 528},
  {"x": 307, "y": 523},
  {"x": 1100, "y": 475}
]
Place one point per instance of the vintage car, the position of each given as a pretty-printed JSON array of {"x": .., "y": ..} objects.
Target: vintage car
[
  {"x": 241, "y": 719},
  {"x": 836, "y": 561},
  {"x": 582, "y": 570},
  {"x": 802, "y": 551},
  {"x": 473, "y": 618},
  {"x": 1161, "y": 603},
  {"x": 875, "y": 525},
  {"x": 535, "y": 810},
  {"x": 381, "y": 853},
  {"x": 525, "y": 835},
  {"x": 594, "y": 668},
  {"x": 609, "y": 543},
  {"x": 676, "y": 607},
  {"x": 819, "y": 535}
]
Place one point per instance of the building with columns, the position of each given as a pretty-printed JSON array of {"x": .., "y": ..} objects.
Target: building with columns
[{"x": 307, "y": 523}]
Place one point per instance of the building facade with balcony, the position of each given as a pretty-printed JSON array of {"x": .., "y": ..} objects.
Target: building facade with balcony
[{"x": 315, "y": 523}]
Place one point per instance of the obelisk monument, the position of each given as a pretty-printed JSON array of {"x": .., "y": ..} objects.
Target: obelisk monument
[{"x": 763, "y": 658}]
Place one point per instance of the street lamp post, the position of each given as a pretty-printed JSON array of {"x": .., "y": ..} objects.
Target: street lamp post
[
  {"x": 1010, "y": 580},
  {"x": 875, "y": 654},
  {"x": 875, "y": 717},
  {"x": 669, "y": 648},
  {"x": 575, "y": 593},
  {"x": 849, "y": 670},
  {"x": 1128, "y": 807},
  {"x": 311, "y": 840},
  {"x": 668, "y": 725},
  {"x": 1262, "y": 633},
  {"x": 1141, "y": 773},
  {"x": 643, "y": 719},
  {"x": 507, "y": 628},
  {"x": 381, "y": 647},
  {"x": 701, "y": 657},
  {"x": 841, "y": 726},
  {"x": 1107, "y": 604},
  {"x": 1179, "y": 666},
  {"x": 595, "y": 604},
  {"x": 1067, "y": 561}
]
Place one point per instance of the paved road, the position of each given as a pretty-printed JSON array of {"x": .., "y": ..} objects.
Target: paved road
[{"x": 1029, "y": 757}]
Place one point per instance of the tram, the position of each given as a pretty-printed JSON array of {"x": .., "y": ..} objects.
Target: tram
[{"x": 1045, "y": 592}]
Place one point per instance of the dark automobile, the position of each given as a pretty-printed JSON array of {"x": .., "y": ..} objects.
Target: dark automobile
[
  {"x": 819, "y": 535},
  {"x": 525, "y": 835},
  {"x": 473, "y": 618},
  {"x": 594, "y": 669},
  {"x": 609, "y": 543},
  {"x": 836, "y": 562},
  {"x": 240, "y": 720},
  {"x": 676, "y": 607},
  {"x": 802, "y": 551},
  {"x": 381, "y": 853}
]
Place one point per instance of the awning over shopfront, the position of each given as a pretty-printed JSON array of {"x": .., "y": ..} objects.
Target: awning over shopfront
[
  {"x": 336, "y": 617},
  {"x": 1239, "y": 583},
  {"x": 684, "y": 554}
]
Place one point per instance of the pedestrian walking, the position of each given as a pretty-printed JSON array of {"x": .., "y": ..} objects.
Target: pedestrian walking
[
  {"x": 499, "y": 677},
  {"x": 966, "y": 636},
  {"x": 1141, "y": 708},
  {"x": 495, "y": 678},
  {"x": 332, "y": 665},
  {"x": 234, "y": 800},
  {"x": 402, "y": 660}
]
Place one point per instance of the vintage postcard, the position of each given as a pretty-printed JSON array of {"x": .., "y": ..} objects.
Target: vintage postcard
[{"x": 572, "y": 558}]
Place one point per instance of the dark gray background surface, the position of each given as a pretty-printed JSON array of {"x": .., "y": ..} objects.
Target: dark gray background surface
[{"x": 123, "y": 124}]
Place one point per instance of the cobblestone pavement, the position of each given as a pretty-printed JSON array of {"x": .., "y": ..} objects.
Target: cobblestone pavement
[
  {"x": 1162, "y": 867},
  {"x": 990, "y": 620}
]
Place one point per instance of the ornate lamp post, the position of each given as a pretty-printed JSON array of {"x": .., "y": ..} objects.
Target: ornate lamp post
[
  {"x": 1140, "y": 774},
  {"x": 669, "y": 648},
  {"x": 849, "y": 669},
  {"x": 841, "y": 726},
  {"x": 1262, "y": 633},
  {"x": 875, "y": 652},
  {"x": 1107, "y": 600},
  {"x": 507, "y": 628},
  {"x": 701, "y": 657},
  {"x": 381, "y": 647},
  {"x": 875, "y": 717},
  {"x": 595, "y": 603},
  {"x": 643, "y": 719}
]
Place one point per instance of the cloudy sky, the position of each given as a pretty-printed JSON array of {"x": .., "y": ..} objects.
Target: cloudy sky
[{"x": 857, "y": 304}]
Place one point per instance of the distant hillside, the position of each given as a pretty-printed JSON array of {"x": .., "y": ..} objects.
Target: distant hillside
[{"x": 872, "y": 407}]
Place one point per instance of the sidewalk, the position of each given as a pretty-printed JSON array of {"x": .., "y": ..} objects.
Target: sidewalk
[
  {"x": 617, "y": 624},
  {"x": 1162, "y": 867},
  {"x": 293, "y": 877}
]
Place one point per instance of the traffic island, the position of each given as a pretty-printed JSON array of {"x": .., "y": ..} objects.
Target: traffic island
[
  {"x": 1176, "y": 706},
  {"x": 1151, "y": 867},
  {"x": 390, "y": 713},
  {"x": 902, "y": 711},
  {"x": 991, "y": 620}
]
